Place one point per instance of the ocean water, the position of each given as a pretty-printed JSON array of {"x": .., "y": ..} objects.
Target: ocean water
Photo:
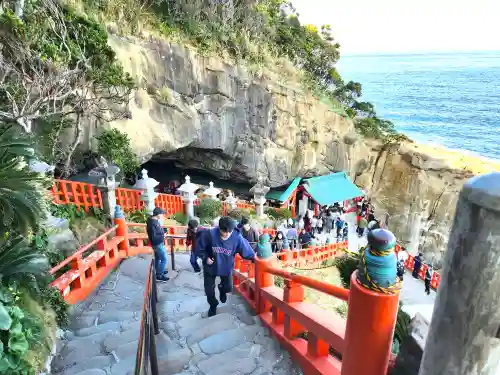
[{"x": 447, "y": 99}]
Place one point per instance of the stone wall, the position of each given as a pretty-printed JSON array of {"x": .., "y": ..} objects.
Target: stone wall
[{"x": 239, "y": 123}]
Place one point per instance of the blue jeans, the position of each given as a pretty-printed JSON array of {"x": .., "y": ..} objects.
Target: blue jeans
[{"x": 160, "y": 259}]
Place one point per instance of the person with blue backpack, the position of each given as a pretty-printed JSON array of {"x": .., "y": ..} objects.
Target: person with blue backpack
[{"x": 217, "y": 248}]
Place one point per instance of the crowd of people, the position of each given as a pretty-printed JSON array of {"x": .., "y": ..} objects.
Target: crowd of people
[{"x": 217, "y": 246}]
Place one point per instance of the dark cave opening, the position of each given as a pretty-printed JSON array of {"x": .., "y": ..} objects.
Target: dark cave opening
[{"x": 202, "y": 166}]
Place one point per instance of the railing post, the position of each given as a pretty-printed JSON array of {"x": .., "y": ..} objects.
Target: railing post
[
  {"x": 263, "y": 279},
  {"x": 373, "y": 307},
  {"x": 464, "y": 332},
  {"x": 294, "y": 292},
  {"x": 122, "y": 230}
]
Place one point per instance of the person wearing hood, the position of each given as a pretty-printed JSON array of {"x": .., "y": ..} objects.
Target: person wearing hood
[
  {"x": 280, "y": 243},
  {"x": 217, "y": 248},
  {"x": 249, "y": 233}
]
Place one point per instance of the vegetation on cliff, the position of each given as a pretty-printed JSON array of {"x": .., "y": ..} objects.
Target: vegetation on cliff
[
  {"x": 256, "y": 32},
  {"x": 57, "y": 71}
]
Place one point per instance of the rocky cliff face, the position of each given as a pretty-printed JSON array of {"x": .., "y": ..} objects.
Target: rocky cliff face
[
  {"x": 415, "y": 188},
  {"x": 239, "y": 123},
  {"x": 206, "y": 113}
]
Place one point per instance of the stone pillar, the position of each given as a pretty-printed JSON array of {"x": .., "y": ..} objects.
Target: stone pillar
[
  {"x": 188, "y": 196},
  {"x": 106, "y": 182},
  {"x": 259, "y": 192},
  {"x": 147, "y": 184},
  {"x": 464, "y": 335}
]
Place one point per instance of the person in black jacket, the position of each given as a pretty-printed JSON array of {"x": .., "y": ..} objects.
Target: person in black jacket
[
  {"x": 193, "y": 232},
  {"x": 156, "y": 235}
]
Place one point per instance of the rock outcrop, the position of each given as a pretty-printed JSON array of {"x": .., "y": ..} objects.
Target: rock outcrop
[
  {"x": 209, "y": 114},
  {"x": 238, "y": 123}
]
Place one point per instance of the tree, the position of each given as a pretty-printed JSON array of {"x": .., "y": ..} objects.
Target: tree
[
  {"x": 22, "y": 200},
  {"x": 56, "y": 66}
]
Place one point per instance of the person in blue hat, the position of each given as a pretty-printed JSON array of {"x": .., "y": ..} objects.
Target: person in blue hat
[{"x": 217, "y": 248}]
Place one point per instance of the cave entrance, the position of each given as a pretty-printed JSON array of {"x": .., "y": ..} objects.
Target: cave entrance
[{"x": 202, "y": 166}]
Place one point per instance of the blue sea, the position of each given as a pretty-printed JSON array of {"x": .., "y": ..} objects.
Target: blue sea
[{"x": 451, "y": 99}]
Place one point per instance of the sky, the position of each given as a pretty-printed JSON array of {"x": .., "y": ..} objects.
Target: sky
[{"x": 406, "y": 26}]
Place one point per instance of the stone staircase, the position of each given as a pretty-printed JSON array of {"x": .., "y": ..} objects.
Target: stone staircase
[{"x": 103, "y": 335}]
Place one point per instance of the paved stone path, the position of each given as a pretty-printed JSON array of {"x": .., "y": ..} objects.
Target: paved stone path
[{"x": 102, "y": 339}]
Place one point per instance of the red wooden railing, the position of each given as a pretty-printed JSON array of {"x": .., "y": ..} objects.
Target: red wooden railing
[
  {"x": 87, "y": 195},
  {"x": 89, "y": 265},
  {"x": 79, "y": 194},
  {"x": 370, "y": 321},
  {"x": 333, "y": 345}
]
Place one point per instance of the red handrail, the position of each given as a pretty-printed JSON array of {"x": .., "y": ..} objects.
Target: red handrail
[
  {"x": 81, "y": 250},
  {"x": 320, "y": 286}
]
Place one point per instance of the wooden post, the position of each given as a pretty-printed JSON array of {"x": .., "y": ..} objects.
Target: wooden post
[
  {"x": 371, "y": 319},
  {"x": 263, "y": 279},
  {"x": 122, "y": 231},
  {"x": 464, "y": 335}
]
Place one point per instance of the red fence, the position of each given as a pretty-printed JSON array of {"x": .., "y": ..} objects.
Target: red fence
[
  {"x": 436, "y": 277},
  {"x": 333, "y": 345},
  {"x": 79, "y": 194},
  {"x": 87, "y": 195}
]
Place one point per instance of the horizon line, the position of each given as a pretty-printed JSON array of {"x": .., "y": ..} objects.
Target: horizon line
[{"x": 416, "y": 53}]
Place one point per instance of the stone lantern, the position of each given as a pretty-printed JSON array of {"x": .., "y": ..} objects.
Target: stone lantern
[
  {"x": 259, "y": 192},
  {"x": 105, "y": 176},
  {"x": 211, "y": 191},
  {"x": 147, "y": 184},
  {"x": 231, "y": 200},
  {"x": 188, "y": 196}
]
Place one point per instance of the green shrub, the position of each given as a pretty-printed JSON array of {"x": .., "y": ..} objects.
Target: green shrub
[
  {"x": 180, "y": 217},
  {"x": 71, "y": 212},
  {"x": 346, "y": 265},
  {"x": 208, "y": 209},
  {"x": 140, "y": 216},
  {"x": 341, "y": 309},
  {"x": 278, "y": 213},
  {"x": 403, "y": 325},
  {"x": 19, "y": 331},
  {"x": 238, "y": 213},
  {"x": 279, "y": 281},
  {"x": 115, "y": 146}
]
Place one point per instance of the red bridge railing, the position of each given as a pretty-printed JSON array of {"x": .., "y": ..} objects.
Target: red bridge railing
[
  {"x": 87, "y": 195},
  {"x": 321, "y": 341}
]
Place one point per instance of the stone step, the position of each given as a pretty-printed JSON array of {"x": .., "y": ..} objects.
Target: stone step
[
  {"x": 98, "y": 362},
  {"x": 226, "y": 340},
  {"x": 109, "y": 326}
]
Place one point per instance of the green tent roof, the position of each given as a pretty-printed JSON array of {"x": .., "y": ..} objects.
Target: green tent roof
[
  {"x": 335, "y": 187},
  {"x": 283, "y": 195}
]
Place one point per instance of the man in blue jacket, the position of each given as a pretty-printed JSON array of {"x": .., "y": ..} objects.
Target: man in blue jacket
[
  {"x": 217, "y": 248},
  {"x": 156, "y": 236}
]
